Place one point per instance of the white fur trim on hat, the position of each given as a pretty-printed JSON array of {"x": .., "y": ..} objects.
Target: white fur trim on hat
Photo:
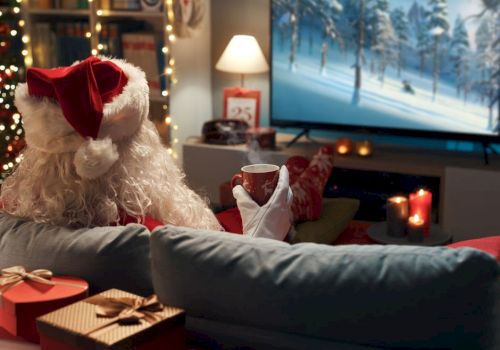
[
  {"x": 48, "y": 130},
  {"x": 95, "y": 157}
]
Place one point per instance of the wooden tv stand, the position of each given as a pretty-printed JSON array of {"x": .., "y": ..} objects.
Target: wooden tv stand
[{"x": 469, "y": 190}]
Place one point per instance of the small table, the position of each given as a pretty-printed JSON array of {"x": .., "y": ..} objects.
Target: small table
[{"x": 437, "y": 236}]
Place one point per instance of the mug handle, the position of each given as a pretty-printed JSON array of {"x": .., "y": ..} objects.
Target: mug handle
[{"x": 236, "y": 178}]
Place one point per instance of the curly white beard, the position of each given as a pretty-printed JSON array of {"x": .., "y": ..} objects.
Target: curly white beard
[{"x": 143, "y": 182}]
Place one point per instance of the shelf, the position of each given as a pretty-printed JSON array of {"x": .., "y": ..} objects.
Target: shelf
[
  {"x": 59, "y": 12},
  {"x": 159, "y": 99},
  {"x": 132, "y": 14}
]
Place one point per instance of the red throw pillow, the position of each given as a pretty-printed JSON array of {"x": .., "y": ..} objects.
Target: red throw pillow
[
  {"x": 490, "y": 245},
  {"x": 307, "y": 181}
]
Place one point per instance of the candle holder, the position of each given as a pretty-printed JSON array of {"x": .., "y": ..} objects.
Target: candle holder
[
  {"x": 397, "y": 216},
  {"x": 364, "y": 148},
  {"x": 344, "y": 146}
]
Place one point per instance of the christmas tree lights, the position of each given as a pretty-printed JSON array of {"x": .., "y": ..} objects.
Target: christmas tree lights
[{"x": 12, "y": 54}]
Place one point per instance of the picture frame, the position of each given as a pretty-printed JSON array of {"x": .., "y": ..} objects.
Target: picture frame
[{"x": 242, "y": 104}]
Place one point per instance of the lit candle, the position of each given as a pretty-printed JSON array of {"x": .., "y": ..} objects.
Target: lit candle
[
  {"x": 416, "y": 228},
  {"x": 421, "y": 205},
  {"x": 344, "y": 146},
  {"x": 364, "y": 148},
  {"x": 397, "y": 215}
]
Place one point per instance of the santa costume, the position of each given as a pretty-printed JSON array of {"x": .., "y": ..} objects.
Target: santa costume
[{"x": 93, "y": 158}]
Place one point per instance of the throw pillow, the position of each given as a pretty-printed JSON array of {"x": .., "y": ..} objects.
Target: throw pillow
[{"x": 336, "y": 216}]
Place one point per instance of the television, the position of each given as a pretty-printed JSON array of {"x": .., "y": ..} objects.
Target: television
[{"x": 408, "y": 67}]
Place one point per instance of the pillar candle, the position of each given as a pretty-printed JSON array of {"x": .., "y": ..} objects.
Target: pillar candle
[
  {"x": 415, "y": 228},
  {"x": 397, "y": 216},
  {"x": 421, "y": 205}
]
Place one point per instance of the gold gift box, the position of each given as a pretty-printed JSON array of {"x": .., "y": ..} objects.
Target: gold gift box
[{"x": 68, "y": 328}]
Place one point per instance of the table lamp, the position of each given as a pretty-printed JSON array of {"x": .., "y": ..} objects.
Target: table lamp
[{"x": 242, "y": 56}]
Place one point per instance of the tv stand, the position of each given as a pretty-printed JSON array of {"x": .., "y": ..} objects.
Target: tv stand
[
  {"x": 305, "y": 133},
  {"x": 487, "y": 147}
]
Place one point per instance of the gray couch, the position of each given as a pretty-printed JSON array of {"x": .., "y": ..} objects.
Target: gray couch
[{"x": 263, "y": 294}]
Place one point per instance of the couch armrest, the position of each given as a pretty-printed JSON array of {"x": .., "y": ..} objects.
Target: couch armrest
[{"x": 490, "y": 245}]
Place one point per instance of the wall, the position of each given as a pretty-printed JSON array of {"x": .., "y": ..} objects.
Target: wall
[
  {"x": 191, "y": 100},
  {"x": 230, "y": 17}
]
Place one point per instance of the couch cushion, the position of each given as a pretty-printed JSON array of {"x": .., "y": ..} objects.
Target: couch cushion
[
  {"x": 107, "y": 257},
  {"x": 396, "y": 296},
  {"x": 336, "y": 215}
]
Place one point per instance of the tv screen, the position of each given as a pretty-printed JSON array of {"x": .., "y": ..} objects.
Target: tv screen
[{"x": 404, "y": 66}]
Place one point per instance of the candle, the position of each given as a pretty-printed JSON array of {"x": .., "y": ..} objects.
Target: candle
[
  {"x": 421, "y": 205},
  {"x": 343, "y": 146},
  {"x": 416, "y": 226},
  {"x": 364, "y": 148},
  {"x": 397, "y": 216}
]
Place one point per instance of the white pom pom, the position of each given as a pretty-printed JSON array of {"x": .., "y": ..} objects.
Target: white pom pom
[{"x": 95, "y": 157}]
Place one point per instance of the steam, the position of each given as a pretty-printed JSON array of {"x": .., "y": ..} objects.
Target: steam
[{"x": 256, "y": 155}]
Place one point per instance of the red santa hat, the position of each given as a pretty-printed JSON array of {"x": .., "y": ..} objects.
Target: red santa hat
[{"x": 83, "y": 109}]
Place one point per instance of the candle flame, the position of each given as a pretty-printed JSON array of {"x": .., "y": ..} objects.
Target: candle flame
[{"x": 421, "y": 192}]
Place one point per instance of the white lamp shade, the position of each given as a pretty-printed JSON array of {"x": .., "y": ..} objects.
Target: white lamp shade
[{"x": 243, "y": 56}]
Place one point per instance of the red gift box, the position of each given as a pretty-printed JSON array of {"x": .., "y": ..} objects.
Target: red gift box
[{"x": 22, "y": 303}]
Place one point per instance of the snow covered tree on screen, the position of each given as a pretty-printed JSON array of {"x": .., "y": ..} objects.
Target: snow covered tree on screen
[
  {"x": 358, "y": 22},
  {"x": 328, "y": 11},
  {"x": 438, "y": 26},
  {"x": 423, "y": 40},
  {"x": 400, "y": 24},
  {"x": 459, "y": 54},
  {"x": 385, "y": 37},
  {"x": 488, "y": 57}
]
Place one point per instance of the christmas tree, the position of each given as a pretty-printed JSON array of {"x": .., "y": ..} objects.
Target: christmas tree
[{"x": 11, "y": 72}]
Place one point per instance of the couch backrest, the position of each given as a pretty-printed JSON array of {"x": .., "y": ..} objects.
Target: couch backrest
[
  {"x": 106, "y": 257},
  {"x": 395, "y": 296}
]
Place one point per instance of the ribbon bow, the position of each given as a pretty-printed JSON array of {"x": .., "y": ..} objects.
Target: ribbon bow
[
  {"x": 12, "y": 276},
  {"x": 126, "y": 310}
]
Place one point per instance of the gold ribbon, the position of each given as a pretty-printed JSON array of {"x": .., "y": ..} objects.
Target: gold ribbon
[
  {"x": 12, "y": 276},
  {"x": 125, "y": 310}
]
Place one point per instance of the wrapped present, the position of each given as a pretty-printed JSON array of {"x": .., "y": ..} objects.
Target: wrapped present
[
  {"x": 113, "y": 320},
  {"x": 24, "y": 296}
]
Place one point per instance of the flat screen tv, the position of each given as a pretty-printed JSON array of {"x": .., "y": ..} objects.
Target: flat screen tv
[{"x": 410, "y": 67}]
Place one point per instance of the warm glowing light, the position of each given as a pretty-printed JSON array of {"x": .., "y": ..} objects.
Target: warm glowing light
[
  {"x": 169, "y": 27},
  {"x": 13, "y": 32},
  {"x": 25, "y": 39},
  {"x": 24, "y": 52},
  {"x": 16, "y": 9},
  {"x": 99, "y": 12},
  {"x": 168, "y": 120},
  {"x": 421, "y": 192},
  {"x": 170, "y": 151},
  {"x": 28, "y": 61},
  {"x": 172, "y": 62},
  {"x": 176, "y": 127},
  {"x": 94, "y": 52},
  {"x": 100, "y": 46},
  {"x": 172, "y": 37},
  {"x": 169, "y": 70},
  {"x": 98, "y": 27},
  {"x": 5, "y": 167},
  {"x": 164, "y": 49},
  {"x": 88, "y": 34},
  {"x": 21, "y": 23},
  {"x": 416, "y": 220}
]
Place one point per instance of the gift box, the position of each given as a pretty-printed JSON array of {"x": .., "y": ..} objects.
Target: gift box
[
  {"x": 115, "y": 320},
  {"x": 24, "y": 296}
]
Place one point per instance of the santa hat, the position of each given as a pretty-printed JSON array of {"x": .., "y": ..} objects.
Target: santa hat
[{"x": 83, "y": 109}]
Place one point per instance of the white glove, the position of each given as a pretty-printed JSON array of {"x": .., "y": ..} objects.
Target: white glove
[{"x": 273, "y": 219}]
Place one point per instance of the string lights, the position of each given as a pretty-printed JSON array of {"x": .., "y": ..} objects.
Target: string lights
[{"x": 11, "y": 130}]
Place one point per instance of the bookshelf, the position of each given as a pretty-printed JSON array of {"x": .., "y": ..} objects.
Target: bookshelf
[{"x": 58, "y": 36}]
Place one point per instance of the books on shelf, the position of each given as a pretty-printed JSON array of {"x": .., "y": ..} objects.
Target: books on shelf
[{"x": 141, "y": 49}]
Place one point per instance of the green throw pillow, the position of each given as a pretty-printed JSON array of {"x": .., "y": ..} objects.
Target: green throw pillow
[{"x": 336, "y": 215}]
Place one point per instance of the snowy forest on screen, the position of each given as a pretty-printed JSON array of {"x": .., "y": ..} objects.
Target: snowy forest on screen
[{"x": 428, "y": 65}]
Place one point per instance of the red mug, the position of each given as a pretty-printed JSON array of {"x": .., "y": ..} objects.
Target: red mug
[{"x": 259, "y": 180}]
